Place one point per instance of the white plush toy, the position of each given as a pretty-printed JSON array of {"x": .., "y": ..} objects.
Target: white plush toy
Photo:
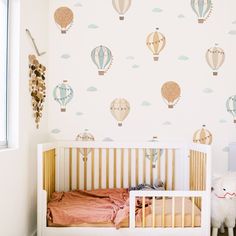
[{"x": 223, "y": 200}]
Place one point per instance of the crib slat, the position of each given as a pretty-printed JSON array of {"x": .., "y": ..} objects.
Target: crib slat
[
  {"x": 166, "y": 169},
  {"x": 159, "y": 164},
  {"x": 173, "y": 169},
  {"x": 114, "y": 183},
  {"x": 107, "y": 168},
  {"x": 92, "y": 168},
  {"x": 151, "y": 169},
  {"x": 100, "y": 167},
  {"x": 193, "y": 211},
  {"x": 183, "y": 212},
  {"x": 153, "y": 212},
  {"x": 70, "y": 168},
  {"x": 129, "y": 166},
  {"x": 144, "y": 165},
  {"x": 173, "y": 212},
  {"x": 163, "y": 212},
  {"x": 78, "y": 168},
  {"x": 122, "y": 168},
  {"x": 143, "y": 213},
  {"x": 137, "y": 166},
  {"x": 85, "y": 167}
]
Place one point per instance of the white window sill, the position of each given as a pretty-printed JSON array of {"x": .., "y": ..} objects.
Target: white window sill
[{"x": 3, "y": 150}]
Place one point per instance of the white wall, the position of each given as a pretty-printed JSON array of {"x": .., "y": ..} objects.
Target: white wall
[{"x": 18, "y": 167}]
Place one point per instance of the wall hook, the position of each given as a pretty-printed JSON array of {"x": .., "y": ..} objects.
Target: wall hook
[{"x": 35, "y": 46}]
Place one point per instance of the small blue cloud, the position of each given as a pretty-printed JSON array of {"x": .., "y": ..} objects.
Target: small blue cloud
[
  {"x": 55, "y": 131},
  {"x": 225, "y": 149},
  {"x": 234, "y": 22},
  {"x": 107, "y": 139},
  {"x": 223, "y": 121},
  {"x": 79, "y": 113},
  {"x": 181, "y": 16},
  {"x": 207, "y": 90},
  {"x": 183, "y": 58},
  {"x": 65, "y": 56},
  {"x": 157, "y": 10},
  {"x": 78, "y": 4},
  {"x": 130, "y": 58},
  {"x": 92, "y": 26},
  {"x": 232, "y": 32},
  {"x": 167, "y": 123},
  {"x": 92, "y": 89},
  {"x": 146, "y": 104},
  {"x": 135, "y": 66}
]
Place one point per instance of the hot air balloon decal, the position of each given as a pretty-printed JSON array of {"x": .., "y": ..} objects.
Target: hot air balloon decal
[
  {"x": 202, "y": 136},
  {"x": 120, "y": 109},
  {"x": 215, "y": 57},
  {"x": 121, "y": 6},
  {"x": 63, "y": 17},
  {"x": 156, "y": 42},
  {"x": 231, "y": 106},
  {"x": 102, "y": 58},
  {"x": 153, "y": 154},
  {"x": 63, "y": 93},
  {"x": 202, "y": 9},
  {"x": 85, "y": 137},
  {"x": 171, "y": 93}
]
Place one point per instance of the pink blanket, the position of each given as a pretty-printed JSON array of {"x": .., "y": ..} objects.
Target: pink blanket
[{"x": 95, "y": 206}]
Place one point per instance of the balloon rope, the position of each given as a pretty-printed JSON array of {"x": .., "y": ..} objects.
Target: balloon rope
[
  {"x": 211, "y": 9},
  {"x": 108, "y": 68},
  {"x": 66, "y": 29},
  {"x": 167, "y": 103}
]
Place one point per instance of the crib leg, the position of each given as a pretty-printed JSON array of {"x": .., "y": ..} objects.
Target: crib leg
[
  {"x": 214, "y": 231},
  {"x": 230, "y": 232},
  {"x": 222, "y": 229}
]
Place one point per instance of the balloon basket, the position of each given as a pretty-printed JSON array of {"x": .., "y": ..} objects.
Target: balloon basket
[
  {"x": 63, "y": 31},
  {"x": 234, "y": 121},
  {"x": 215, "y": 73},
  {"x": 170, "y": 106},
  {"x": 101, "y": 72},
  {"x": 119, "y": 124},
  {"x": 63, "y": 109},
  {"x": 155, "y": 58},
  {"x": 121, "y": 17},
  {"x": 200, "y": 21}
]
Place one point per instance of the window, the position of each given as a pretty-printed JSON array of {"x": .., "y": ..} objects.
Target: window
[{"x": 3, "y": 71}]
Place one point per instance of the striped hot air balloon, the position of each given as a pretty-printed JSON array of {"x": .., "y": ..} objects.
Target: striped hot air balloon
[
  {"x": 102, "y": 58},
  {"x": 231, "y": 106},
  {"x": 202, "y": 9},
  {"x": 202, "y": 136},
  {"x": 63, "y": 93},
  {"x": 215, "y": 57},
  {"x": 120, "y": 109},
  {"x": 121, "y": 6},
  {"x": 156, "y": 42}
]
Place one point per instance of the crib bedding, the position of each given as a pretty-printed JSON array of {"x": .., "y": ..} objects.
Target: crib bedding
[{"x": 110, "y": 207}]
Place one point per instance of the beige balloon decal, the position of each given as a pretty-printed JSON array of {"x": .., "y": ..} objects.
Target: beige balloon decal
[
  {"x": 121, "y": 6},
  {"x": 120, "y": 109},
  {"x": 215, "y": 57},
  {"x": 202, "y": 136},
  {"x": 171, "y": 93},
  {"x": 156, "y": 42},
  {"x": 64, "y": 18}
]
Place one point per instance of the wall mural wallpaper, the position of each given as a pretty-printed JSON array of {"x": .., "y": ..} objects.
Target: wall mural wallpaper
[
  {"x": 155, "y": 80},
  {"x": 63, "y": 94},
  {"x": 37, "y": 87}
]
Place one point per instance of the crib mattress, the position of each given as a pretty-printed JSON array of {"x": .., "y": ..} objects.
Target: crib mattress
[{"x": 158, "y": 218}]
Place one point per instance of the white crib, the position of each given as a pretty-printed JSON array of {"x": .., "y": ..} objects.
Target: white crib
[{"x": 185, "y": 170}]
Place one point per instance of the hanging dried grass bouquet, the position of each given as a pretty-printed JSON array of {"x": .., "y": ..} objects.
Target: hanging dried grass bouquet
[{"x": 37, "y": 87}]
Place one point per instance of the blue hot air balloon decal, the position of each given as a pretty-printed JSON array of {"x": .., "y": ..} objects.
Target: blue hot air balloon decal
[
  {"x": 202, "y": 9},
  {"x": 63, "y": 93},
  {"x": 231, "y": 106},
  {"x": 102, "y": 58}
]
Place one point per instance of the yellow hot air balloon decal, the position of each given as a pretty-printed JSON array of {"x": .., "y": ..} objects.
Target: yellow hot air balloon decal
[
  {"x": 202, "y": 136},
  {"x": 64, "y": 18},
  {"x": 215, "y": 57},
  {"x": 120, "y": 109},
  {"x": 156, "y": 42},
  {"x": 121, "y": 6},
  {"x": 171, "y": 93}
]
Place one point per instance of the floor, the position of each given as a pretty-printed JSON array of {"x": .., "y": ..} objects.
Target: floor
[{"x": 226, "y": 233}]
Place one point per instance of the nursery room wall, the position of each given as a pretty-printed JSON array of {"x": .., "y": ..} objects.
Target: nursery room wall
[
  {"x": 132, "y": 73},
  {"x": 18, "y": 164}
]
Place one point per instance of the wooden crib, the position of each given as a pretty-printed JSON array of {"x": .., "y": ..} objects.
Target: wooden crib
[{"x": 185, "y": 170}]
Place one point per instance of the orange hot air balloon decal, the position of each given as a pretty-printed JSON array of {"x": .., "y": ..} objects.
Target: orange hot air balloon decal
[
  {"x": 171, "y": 93},
  {"x": 64, "y": 17},
  {"x": 202, "y": 136}
]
